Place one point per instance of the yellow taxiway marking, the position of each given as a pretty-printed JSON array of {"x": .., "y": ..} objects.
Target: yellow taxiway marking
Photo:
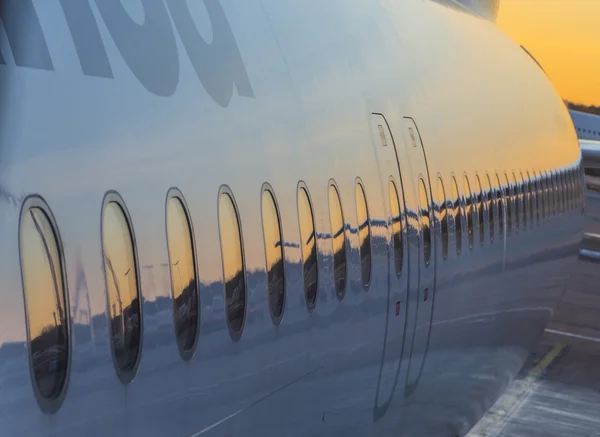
[{"x": 499, "y": 415}]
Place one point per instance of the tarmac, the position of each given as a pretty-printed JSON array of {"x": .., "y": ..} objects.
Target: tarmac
[{"x": 557, "y": 392}]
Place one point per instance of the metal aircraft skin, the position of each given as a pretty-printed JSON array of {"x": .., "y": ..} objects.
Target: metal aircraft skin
[{"x": 273, "y": 218}]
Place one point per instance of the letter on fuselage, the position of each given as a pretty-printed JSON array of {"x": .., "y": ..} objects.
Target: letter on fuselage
[
  {"x": 219, "y": 64},
  {"x": 86, "y": 37},
  {"x": 25, "y": 35},
  {"x": 149, "y": 49}
]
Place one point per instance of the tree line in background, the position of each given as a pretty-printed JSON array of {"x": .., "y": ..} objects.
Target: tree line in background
[{"x": 583, "y": 108}]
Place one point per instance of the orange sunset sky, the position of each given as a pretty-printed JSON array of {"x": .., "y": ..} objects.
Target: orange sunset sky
[{"x": 564, "y": 36}]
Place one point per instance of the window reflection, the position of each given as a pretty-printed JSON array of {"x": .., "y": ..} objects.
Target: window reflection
[
  {"x": 233, "y": 265},
  {"x": 500, "y": 201},
  {"x": 552, "y": 194},
  {"x": 274, "y": 255},
  {"x": 537, "y": 195},
  {"x": 457, "y": 215},
  {"x": 530, "y": 196},
  {"x": 47, "y": 315},
  {"x": 396, "y": 227},
  {"x": 123, "y": 289},
  {"x": 480, "y": 209},
  {"x": 470, "y": 211},
  {"x": 425, "y": 223},
  {"x": 491, "y": 204},
  {"x": 443, "y": 217},
  {"x": 524, "y": 200},
  {"x": 309, "y": 247},
  {"x": 544, "y": 194},
  {"x": 364, "y": 233},
  {"x": 509, "y": 200},
  {"x": 183, "y": 275},
  {"x": 517, "y": 197},
  {"x": 339, "y": 241}
]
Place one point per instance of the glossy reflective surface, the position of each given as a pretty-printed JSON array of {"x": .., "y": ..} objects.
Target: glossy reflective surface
[
  {"x": 309, "y": 247},
  {"x": 233, "y": 265},
  {"x": 364, "y": 234},
  {"x": 336, "y": 218},
  {"x": 274, "y": 255},
  {"x": 396, "y": 227},
  {"x": 183, "y": 275},
  {"x": 122, "y": 288},
  {"x": 422, "y": 354},
  {"x": 44, "y": 289},
  {"x": 425, "y": 222},
  {"x": 443, "y": 216}
]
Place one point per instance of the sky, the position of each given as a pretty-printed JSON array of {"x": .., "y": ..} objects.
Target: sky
[{"x": 564, "y": 36}]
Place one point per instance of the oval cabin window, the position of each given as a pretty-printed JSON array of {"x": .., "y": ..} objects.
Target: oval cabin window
[
  {"x": 509, "y": 201},
  {"x": 500, "y": 201},
  {"x": 425, "y": 222},
  {"x": 122, "y": 284},
  {"x": 396, "y": 228},
  {"x": 339, "y": 241},
  {"x": 364, "y": 234},
  {"x": 309, "y": 247},
  {"x": 184, "y": 284},
  {"x": 517, "y": 195},
  {"x": 443, "y": 217},
  {"x": 234, "y": 269},
  {"x": 457, "y": 215},
  {"x": 274, "y": 255},
  {"x": 480, "y": 210},
  {"x": 44, "y": 288},
  {"x": 470, "y": 211},
  {"x": 491, "y": 202},
  {"x": 538, "y": 195}
]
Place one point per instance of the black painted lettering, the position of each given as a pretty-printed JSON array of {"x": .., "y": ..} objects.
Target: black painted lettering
[
  {"x": 149, "y": 49},
  {"x": 219, "y": 64},
  {"x": 25, "y": 35},
  {"x": 86, "y": 37}
]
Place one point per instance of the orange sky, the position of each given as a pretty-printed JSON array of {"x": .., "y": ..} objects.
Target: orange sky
[{"x": 564, "y": 36}]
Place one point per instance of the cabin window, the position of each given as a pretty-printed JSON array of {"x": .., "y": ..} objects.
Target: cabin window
[
  {"x": 234, "y": 268},
  {"x": 480, "y": 209},
  {"x": 336, "y": 217},
  {"x": 46, "y": 309},
  {"x": 364, "y": 234},
  {"x": 508, "y": 194},
  {"x": 309, "y": 247},
  {"x": 274, "y": 255},
  {"x": 443, "y": 216},
  {"x": 536, "y": 195},
  {"x": 530, "y": 196},
  {"x": 184, "y": 283},
  {"x": 518, "y": 195},
  {"x": 491, "y": 202},
  {"x": 544, "y": 194},
  {"x": 470, "y": 211},
  {"x": 425, "y": 222},
  {"x": 554, "y": 193},
  {"x": 396, "y": 227},
  {"x": 123, "y": 287},
  {"x": 457, "y": 215},
  {"x": 500, "y": 202}
]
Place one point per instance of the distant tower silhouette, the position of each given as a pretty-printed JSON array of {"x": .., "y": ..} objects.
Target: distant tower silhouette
[{"x": 79, "y": 315}]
